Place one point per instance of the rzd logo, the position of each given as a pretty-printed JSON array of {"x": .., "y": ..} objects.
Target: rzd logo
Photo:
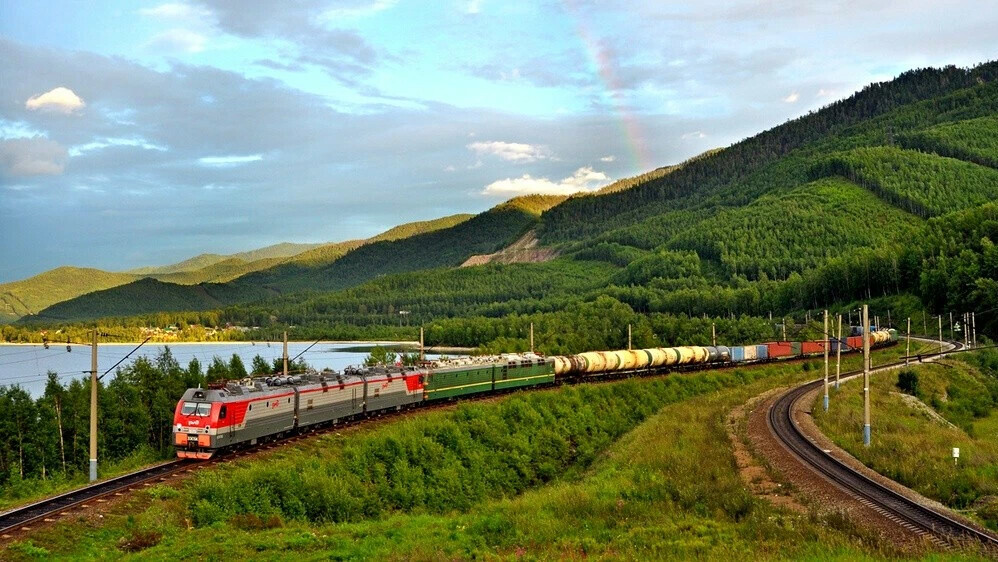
[{"x": 275, "y": 404}]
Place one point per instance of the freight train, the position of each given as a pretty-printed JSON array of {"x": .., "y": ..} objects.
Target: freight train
[{"x": 232, "y": 414}]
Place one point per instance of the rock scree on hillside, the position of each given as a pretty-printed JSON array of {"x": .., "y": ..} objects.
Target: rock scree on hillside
[{"x": 524, "y": 250}]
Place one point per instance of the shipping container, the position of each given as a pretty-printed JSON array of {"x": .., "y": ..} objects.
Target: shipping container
[
  {"x": 812, "y": 347},
  {"x": 778, "y": 349},
  {"x": 795, "y": 348},
  {"x": 761, "y": 352}
]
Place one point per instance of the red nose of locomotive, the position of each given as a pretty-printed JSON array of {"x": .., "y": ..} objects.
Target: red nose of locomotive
[{"x": 192, "y": 425}]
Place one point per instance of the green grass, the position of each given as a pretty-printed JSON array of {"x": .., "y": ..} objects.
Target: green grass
[
  {"x": 23, "y": 492},
  {"x": 915, "y": 448},
  {"x": 668, "y": 488}
]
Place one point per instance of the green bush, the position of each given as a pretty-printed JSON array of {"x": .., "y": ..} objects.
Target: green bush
[
  {"x": 908, "y": 382},
  {"x": 447, "y": 461}
]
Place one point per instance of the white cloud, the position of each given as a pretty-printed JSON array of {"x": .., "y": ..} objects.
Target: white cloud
[
  {"x": 511, "y": 151},
  {"x": 792, "y": 98},
  {"x": 333, "y": 14},
  {"x": 174, "y": 11},
  {"x": 609, "y": 158},
  {"x": 229, "y": 160},
  {"x": 106, "y": 142},
  {"x": 61, "y": 99},
  {"x": 823, "y": 93},
  {"x": 694, "y": 135},
  {"x": 473, "y": 7},
  {"x": 36, "y": 156},
  {"x": 584, "y": 179},
  {"x": 177, "y": 39}
]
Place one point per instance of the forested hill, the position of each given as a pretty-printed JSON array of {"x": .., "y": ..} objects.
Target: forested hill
[
  {"x": 442, "y": 242},
  {"x": 813, "y": 212}
]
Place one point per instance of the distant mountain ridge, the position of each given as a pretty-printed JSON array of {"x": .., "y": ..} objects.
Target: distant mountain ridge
[{"x": 32, "y": 295}]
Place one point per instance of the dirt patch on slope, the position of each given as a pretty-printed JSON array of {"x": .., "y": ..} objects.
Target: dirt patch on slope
[{"x": 524, "y": 250}]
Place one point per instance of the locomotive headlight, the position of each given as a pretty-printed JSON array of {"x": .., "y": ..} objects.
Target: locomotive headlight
[
  {"x": 178, "y": 427},
  {"x": 207, "y": 428}
]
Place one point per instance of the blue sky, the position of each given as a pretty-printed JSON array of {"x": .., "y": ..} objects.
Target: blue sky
[{"x": 142, "y": 133}]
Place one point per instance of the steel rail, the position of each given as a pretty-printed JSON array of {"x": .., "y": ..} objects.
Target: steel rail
[{"x": 910, "y": 513}]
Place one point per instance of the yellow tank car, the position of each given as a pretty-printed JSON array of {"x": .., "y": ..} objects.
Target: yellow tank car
[
  {"x": 626, "y": 360},
  {"x": 672, "y": 355},
  {"x": 594, "y": 360},
  {"x": 642, "y": 358},
  {"x": 700, "y": 354},
  {"x": 657, "y": 356},
  {"x": 562, "y": 365},
  {"x": 685, "y": 354},
  {"x": 611, "y": 361}
]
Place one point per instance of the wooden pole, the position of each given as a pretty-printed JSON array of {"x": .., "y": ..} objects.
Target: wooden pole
[
  {"x": 532, "y": 337},
  {"x": 628, "y": 337},
  {"x": 713, "y": 334},
  {"x": 93, "y": 408},
  {"x": 866, "y": 375},
  {"x": 951, "y": 325},
  {"x": 422, "y": 355},
  {"x": 826, "y": 359}
]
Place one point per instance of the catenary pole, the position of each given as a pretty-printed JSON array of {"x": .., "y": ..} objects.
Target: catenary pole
[
  {"x": 866, "y": 376},
  {"x": 973, "y": 323},
  {"x": 940, "y": 333},
  {"x": 907, "y": 349},
  {"x": 93, "y": 408},
  {"x": 838, "y": 354},
  {"x": 285, "y": 355},
  {"x": 825, "y": 345}
]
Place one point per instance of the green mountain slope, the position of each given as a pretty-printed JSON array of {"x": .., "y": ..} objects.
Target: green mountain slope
[
  {"x": 31, "y": 295},
  {"x": 696, "y": 240},
  {"x": 441, "y": 242},
  {"x": 974, "y": 140},
  {"x": 274, "y": 252}
]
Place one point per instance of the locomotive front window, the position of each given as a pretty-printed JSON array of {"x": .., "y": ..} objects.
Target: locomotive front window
[
  {"x": 204, "y": 409},
  {"x": 189, "y": 408}
]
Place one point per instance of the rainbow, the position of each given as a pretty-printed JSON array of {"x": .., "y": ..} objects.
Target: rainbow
[{"x": 602, "y": 65}]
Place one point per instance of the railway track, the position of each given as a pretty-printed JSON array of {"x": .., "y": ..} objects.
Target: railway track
[
  {"x": 909, "y": 513},
  {"x": 22, "y": 518}
]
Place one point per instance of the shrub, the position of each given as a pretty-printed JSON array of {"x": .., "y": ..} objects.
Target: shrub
[{"x": 908, "y": 382}]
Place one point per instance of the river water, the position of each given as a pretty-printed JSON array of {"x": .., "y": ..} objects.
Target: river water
[{"x": 27, "y": 365}]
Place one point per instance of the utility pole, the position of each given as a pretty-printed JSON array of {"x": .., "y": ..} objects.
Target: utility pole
[
  {"x": 925, "y": 330},
  {"x": 907, "y": 349},
  {"x": 889, "y": 323},
  {"x": 422, "y": 355},
  {"x": 826, "y": 359},
  {"x": 966, "y": 330},
  {"x": 838, "y": 354},
  {"x": 866, "y": 375},
  {"x": 628, "y": 337},
  {"x": 713, "y": 334},
  {"x": 93, "y": 408},
  {"x": 940, "y": 333},
  {"x": 532, "y": 336},
  {"x": 285, "y": 353},
  {"x": 951, "y": 326},
  {"x": 784, "y": 329}
]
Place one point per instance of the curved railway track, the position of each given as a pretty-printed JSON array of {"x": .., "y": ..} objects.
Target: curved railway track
[
  {"x": 911, "y": 514},
  {"x": 21, "y": 519}
]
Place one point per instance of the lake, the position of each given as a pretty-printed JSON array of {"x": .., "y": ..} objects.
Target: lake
[{"x": 27, "y": 365}]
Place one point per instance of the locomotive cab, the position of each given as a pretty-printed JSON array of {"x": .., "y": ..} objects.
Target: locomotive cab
[{"x": 195, "y": 423}]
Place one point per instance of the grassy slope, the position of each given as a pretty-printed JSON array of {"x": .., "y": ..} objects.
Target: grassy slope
[
  {"x": 915, "y": 449},
  {"x": 667, "y": 489}
]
